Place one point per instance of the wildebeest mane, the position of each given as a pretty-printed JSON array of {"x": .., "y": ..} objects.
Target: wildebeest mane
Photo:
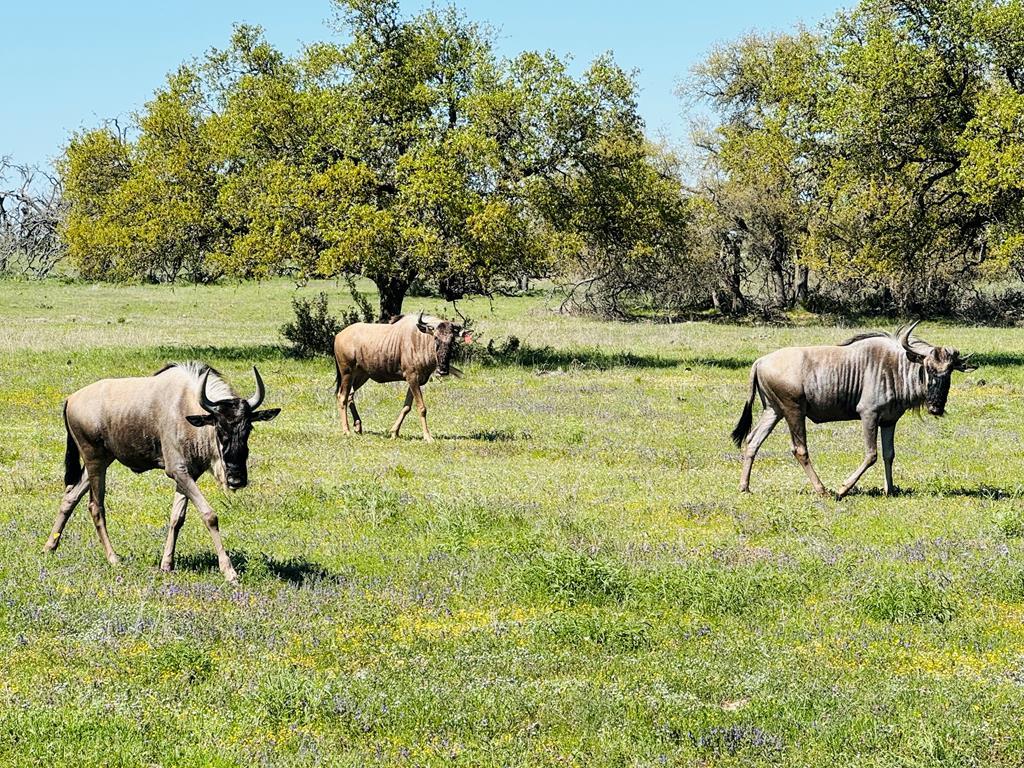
[
  {"x": 863, "y": 336},
  {"x": 216, "y": 387}
]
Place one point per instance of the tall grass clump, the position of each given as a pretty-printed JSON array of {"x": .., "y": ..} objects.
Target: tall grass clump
[
  {"x": 570, "y": 578},
  {"x": 897, "y": 596}
]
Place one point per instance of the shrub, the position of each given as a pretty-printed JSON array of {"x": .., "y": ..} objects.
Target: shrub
[{"x": 313, "y": 330}]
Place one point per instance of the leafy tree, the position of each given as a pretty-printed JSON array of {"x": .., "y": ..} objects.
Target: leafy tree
[
  {"x": 760, "y": 164},
  {"x": 882, "y": 154},
  {"x": 408, "y": 153}
]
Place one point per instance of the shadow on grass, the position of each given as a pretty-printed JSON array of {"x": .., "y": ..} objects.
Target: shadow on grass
[
  {"x": 490, "y": 436},
  {"x": 295, "y": 570},
  {"x": 998, "y": 359},
  {"x": 989, "y": 492},
  {"x": 547, "y": 358},
  {"x": 253, "y": 352},
  {"x": 414, "y": 436}
]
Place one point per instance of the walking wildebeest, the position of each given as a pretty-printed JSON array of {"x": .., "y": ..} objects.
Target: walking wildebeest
[
  {"x": 184, "y": 419},
  {"x": 874, "y": 377},
  {"x": 408, "y": 349}
]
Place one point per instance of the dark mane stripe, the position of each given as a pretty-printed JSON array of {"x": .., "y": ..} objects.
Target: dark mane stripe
[
  {"x": 863, "y": 336},
  {"x": 202, "y": 368}
]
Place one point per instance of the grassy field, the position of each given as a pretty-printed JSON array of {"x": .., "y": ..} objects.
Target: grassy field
[{"x": 568, "y": 576}]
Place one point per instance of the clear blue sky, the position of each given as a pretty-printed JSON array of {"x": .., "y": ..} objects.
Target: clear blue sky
[{"x": 70, "y": 64}]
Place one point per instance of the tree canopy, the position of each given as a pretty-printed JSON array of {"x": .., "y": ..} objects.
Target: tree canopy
[
  {"x": 411, "y": 151},
  {"x": 883, "y": 152},
  {"x": 875, "y": 163}
]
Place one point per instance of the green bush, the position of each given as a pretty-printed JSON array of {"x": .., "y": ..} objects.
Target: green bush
[{"x": 313, "y": 330}]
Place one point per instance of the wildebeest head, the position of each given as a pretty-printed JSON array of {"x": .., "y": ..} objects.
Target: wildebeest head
[
  {"x": 447, "y": 337},
  {"x": 233, "y": 418},
  {"x": 939, "y": 364}
]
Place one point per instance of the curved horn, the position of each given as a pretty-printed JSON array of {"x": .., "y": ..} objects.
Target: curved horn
[
  {"x": 261, "y": 392},
  {"x": 904, "y": 334},
  {"x": 206, "y": 403}
]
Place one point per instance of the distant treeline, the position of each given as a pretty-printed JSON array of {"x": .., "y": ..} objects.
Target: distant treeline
[{"x": 873, "y": 165}]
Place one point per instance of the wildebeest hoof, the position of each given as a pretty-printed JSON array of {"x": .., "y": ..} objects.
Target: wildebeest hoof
[
  {"x": 231, "y": 576},
  {"x": 166, "y": 567},
  {"x": 114, "y": 559},
  {"x": 359, "y": 428}
]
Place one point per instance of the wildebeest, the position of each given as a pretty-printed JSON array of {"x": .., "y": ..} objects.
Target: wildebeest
[
  {"x": 183, "y": 419},
  {"x": 409, "y": 348},
  {"x": 875, "y": 377}
]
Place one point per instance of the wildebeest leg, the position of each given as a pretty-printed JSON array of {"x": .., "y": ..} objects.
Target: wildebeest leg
[
  {"x": 888, "y": 454},
  {"x": 358, "y": 379},
  {"x": 402, "y": 414},
  {"x": 177, "y": 520},
  {"x": 343, "y": 397},
  {"x": 72, "y": 496},
  {"x": 97, "y": 492},
  {"x": 870, "y": 455},
  {"x": 187, "y": 487},
  {"x": 417, "y": 394},
  {"x": 798, "y": 433},
  {"x": 763, "y": 428}
]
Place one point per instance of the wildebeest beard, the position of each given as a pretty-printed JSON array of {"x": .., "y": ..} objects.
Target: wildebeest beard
[
  {"x": 233, "y": 430},
  {"x": 445, "y": 352},
  {"x": 937, "y": 393}
]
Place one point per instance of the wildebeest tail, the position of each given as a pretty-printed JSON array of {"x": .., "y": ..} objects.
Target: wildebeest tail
[
  {"x": 337, "y": 377},
  {"x": 747, "y": 417},
  {"x": 72, "y": 463}
]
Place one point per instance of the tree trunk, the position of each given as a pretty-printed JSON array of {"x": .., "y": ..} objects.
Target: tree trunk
[
  {"x": 731, "y": 291},
  {"x": 800, "y": 278},
  {"x": 392, "y": 292}
]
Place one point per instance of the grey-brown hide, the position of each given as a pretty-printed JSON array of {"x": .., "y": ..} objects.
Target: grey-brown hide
[
  {"x": 409, "y": 348},
  {"x": 873, "y": 377},
  {"x": 184, "y": 419}
]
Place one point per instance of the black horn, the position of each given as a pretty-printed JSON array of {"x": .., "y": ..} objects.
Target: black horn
[
  {"x": 204, "y": 401},
  {"x": 256, "y": 399},
  {"x": 904, "y": 335}
]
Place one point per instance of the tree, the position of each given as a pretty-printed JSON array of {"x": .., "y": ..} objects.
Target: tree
[
  {"x": 409, "y": 152},
  {"x": 760, "y": 164},
  {"x": 32, "y": 211}
]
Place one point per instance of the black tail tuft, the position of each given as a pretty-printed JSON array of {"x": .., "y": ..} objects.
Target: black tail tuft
[
  {"x": 337, "y": 377},
  {"x": 72, "y": 465},
  {"x": 747, "y": 417},
  {"x": 743, "y": 425}
]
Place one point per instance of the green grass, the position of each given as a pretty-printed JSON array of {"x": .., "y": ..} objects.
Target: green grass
[{"x": 568, "y": 576}]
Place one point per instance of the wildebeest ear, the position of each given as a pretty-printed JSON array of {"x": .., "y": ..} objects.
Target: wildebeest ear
[
  {"x": 264, "y": 415},
  {"x": 912, "y": 356},
  {"x": 206, "y": 420},
  {"x": 961, "y": 364}
]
